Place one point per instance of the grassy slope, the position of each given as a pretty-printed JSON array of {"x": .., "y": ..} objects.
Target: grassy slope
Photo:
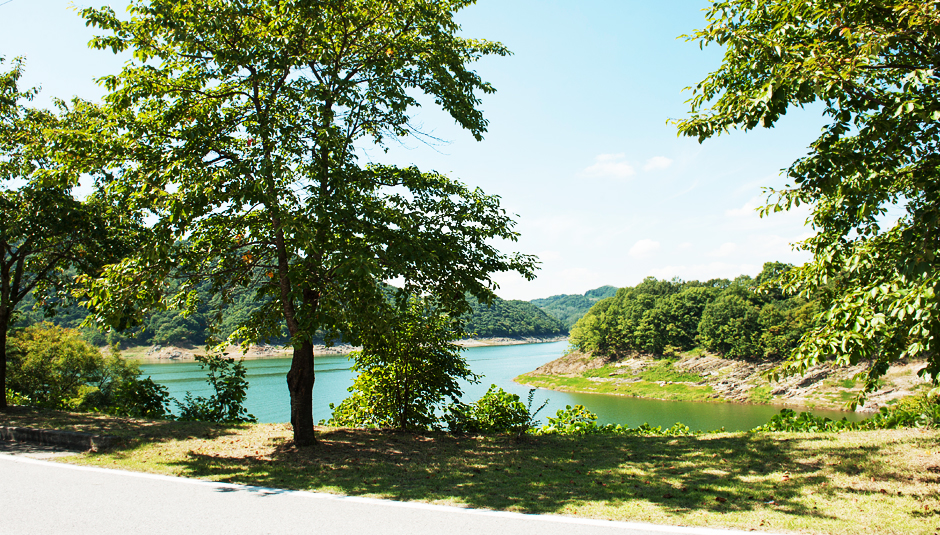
[
  {"x": 661, "y": 381},
  {"x": 863, "y": 482}
]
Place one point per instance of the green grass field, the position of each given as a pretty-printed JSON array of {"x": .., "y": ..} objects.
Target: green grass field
[{"x": 859, "y": 482}]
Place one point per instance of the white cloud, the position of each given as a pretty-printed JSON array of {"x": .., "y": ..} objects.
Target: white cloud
[
  {"x": 656, "y": 163},
  {"x": 748, "y": 210},
  {"x": 610, "y": 166},
  {"x": 725, "y": 249},
  {"x": 684, "y": 245},
  {"x": 644, "y": 248}
]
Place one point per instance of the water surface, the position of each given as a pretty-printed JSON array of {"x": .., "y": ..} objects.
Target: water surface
[{"x": 268, "y": 398}]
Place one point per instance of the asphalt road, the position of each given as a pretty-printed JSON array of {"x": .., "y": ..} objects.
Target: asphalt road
[{"x": 38, "y": 496}]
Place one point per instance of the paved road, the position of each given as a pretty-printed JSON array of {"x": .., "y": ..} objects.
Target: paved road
[{"x": 38, "y": 496}]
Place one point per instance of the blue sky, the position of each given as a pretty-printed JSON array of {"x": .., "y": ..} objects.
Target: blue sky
[{"x": 578, "y": 144}]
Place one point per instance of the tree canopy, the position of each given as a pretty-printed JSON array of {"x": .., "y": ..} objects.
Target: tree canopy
[
  {"x": 726, "y": 317},
  {"x": 872, "y": 66},
  {"x": 568, "y": 309},
  {"x": 46, "y": 235},
  {"x": 236, "y": 126}
]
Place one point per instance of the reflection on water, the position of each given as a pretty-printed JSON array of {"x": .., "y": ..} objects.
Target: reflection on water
[{"x": 268, "y": 398}]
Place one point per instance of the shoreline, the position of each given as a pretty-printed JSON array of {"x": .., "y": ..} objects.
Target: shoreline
[
  {"x": 711, "y": 379},
  {"x": 157, "y": 354}
]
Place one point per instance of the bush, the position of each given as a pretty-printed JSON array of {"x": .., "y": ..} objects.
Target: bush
[
  {"x": 407, "y": 370},
  {"x": 56, "y": 368},
  {"x": 912, "y": 411},
  {"x": 227, "y": 378},
  {"x": 578, "y": 420},
  {"x": 497, "y": 411}
]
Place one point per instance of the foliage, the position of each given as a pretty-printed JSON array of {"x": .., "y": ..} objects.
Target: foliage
[
  {"x": 578, "y": 420},
  {"x": 913, "y": 411},
  {"x": 236, "y": 125},
  {"x": 730, "y": 318},
  {"x": 502, "y": 318},
  {"x": 568, "y": 309},
  {"x": 405, "y": 371},
  {"x": 51, "y": 366},
  {"x": 226, "y": 405},
  {"x": 54, "y": 367},
  {"x": 45, "y": 233},
  {"x": 872, "y": 68},
  {"x": 497, "y": 411},
  {"x": 218, "y": 317}
]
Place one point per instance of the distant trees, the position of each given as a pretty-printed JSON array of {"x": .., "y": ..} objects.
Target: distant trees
[
  {"x": 726, "y": 317},
  {"x": 568, "y": 309},
  {"x": 509, "y": 318}
]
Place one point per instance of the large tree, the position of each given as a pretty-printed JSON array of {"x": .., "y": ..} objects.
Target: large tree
[
  {"x": 236, "y": 128},
  {"x": 46, "y": 235},
  {"x": 871, "y": 66}
]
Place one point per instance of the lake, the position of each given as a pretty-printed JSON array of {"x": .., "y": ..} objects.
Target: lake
[{"x": 269, "y": 400}]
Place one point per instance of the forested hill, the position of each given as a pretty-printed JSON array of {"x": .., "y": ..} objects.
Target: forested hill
[
  {"x": 512, "y": 319},
  {"x": 170, "y": 328},
  {"x": 725, "y": 317},
  {"x": 568, "y": 309}
]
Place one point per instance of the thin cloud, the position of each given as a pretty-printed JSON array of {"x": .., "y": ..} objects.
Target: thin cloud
[
  {"x": 726, "y": 249},
  {"x": 657, "y": 163},
  {"x": 748, "y": 210},
  {"x": 644, "y": 249},
  {"x": 610, "y": 166}
]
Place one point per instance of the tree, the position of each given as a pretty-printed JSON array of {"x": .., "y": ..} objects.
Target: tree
[
  {"x": 406, "y": 371},
  {"x": 873, "y": 67},
  {"x": 237, "y": 127},
  {"x": 46, "y": 235}
]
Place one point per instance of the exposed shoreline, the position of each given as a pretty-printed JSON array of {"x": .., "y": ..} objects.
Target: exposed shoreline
[
  {"x": 155, "y": 354},
  {"x": 725, "y": 380}
]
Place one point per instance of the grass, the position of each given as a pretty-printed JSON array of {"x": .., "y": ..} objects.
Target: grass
[
  {"x": 761, "y": 394},
  {"x": 853, "y": 483},
  {"x": 639, "y": 389},
  {"x": 660, "y": 381}
]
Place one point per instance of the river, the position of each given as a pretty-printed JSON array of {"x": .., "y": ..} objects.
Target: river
[{"x": 268, "y": 398}]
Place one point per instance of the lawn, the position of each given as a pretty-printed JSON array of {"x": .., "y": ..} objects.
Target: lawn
[{"x": 859, "y": 482}]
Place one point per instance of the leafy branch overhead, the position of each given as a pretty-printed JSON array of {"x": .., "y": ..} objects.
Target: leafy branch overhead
[{"x": 872, "y": 66}]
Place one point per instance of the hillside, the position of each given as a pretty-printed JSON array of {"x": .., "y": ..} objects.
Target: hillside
[
  {"x": 504, "y": 319},
  {"x": 569, "y": 308},
  {"x": 511, "y": 319}
]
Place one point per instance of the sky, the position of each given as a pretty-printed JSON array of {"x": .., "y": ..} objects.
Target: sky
[{"x": 579, "y": 147}]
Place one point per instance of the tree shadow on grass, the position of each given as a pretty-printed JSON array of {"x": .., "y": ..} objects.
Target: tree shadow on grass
[
  {"x": 712, "y": 473},
  {"x": 129, "y": 432}
]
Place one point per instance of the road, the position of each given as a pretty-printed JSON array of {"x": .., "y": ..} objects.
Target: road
[{"x": 38, "y": 496}]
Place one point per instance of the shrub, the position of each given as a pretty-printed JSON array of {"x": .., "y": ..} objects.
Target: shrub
[
  {"x": 407, "y": 370},
  {"x": 56, "y": 368},
  {"x": 497, "y": 411},
  {"x": 912, "y": 411},
  {"x": 227, "y": 378}
]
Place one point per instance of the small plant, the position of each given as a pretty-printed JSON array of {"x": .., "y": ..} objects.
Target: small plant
[
  {"x": 913, "y": 411},
  {"x": 227, "y": 378},
  {"x": 497, "y": 411}
]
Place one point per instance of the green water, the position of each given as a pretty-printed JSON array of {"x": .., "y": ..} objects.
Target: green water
[{"x": 268, "y": 398}]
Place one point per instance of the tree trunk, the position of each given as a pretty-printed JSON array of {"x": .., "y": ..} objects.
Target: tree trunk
[
  {"x": 3, "y": 361},
  {"x": 300, "y": 380}
]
